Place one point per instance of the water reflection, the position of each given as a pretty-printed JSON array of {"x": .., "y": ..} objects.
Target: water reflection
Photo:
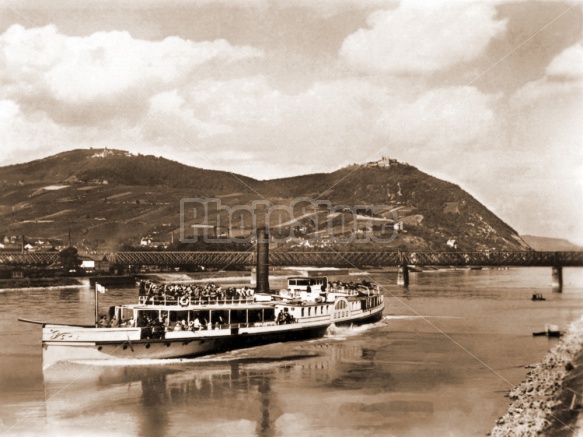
[
  {"x": 166, "y": 398},
  {"x": 258, "y": 389},
  {"x": 405, "y": 376}
]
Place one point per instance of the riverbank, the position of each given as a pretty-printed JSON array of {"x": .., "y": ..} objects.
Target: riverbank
[
  {"x": 22, "y": 283},
  {"x": 542, "y": 404}
]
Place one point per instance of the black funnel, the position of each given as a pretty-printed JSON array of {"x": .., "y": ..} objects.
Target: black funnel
[{"x": 262, "y": 261}]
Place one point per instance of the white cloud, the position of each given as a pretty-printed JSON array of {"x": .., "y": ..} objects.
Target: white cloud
[
  {"x": 170, "y": 121},
  {"x": 238, "y": 101},
  {"x": 25, "y": 137},
  {"x": 568, "y": 64},
  {"x": 421, "y": 37},
  {"x": 444, "y": 118},
  {"x": 44, "y": 63}
]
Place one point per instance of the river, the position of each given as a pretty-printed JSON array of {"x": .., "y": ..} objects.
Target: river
[{"x": 439, "y": 363}]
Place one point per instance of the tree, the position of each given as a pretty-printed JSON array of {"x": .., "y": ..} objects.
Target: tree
[{"x": 70, "y": 260}]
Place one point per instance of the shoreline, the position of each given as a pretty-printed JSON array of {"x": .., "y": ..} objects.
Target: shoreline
[
  {"x": 50, "y": 287},
  {"x": 36, "y": 283},
  {"x": 542, "y": 402}
]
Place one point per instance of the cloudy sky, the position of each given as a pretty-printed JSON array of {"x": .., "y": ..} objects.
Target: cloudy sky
[{"x": 486, "y": 94}]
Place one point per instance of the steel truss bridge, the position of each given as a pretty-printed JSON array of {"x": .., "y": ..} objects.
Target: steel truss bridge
[{"x": 320, "y": 259}]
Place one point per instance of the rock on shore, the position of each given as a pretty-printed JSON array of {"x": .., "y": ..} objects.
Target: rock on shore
[{"x": 537, "y": 398}]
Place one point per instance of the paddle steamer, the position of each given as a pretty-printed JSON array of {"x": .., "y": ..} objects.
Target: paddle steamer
[{"x": 179, "y": 320}]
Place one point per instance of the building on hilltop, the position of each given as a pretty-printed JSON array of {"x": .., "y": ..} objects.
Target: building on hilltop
[{"x": 384, "y": 162}]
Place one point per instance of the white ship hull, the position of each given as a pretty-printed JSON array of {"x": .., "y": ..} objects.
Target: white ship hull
[
  {"x": 86, "y": 344},
  {"x": 71, "y": 343}
]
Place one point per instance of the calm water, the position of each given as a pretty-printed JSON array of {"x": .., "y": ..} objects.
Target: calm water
[{"x": 437, "y": 364}]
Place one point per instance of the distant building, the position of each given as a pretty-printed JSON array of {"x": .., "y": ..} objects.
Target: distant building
[
  {"x": 151, "y": 242},
  {"x": 87, "y": 263},
  {"x": 384, "y": 162},
  {"x": 452, "y": 243},
  {"x": 72, "y": 180},
  {"x": 98, "y": 182}
]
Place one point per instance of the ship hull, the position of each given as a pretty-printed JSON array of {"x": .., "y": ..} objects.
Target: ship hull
[{"x": 176, "y": 345}]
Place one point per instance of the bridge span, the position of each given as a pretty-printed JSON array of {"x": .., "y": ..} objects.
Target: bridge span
[
  {"x": 354, "y": 259},
  {"x": 556, "y": 260}
]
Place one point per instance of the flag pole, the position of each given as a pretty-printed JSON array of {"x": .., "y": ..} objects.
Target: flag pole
[{"x": 96, "y": 304}]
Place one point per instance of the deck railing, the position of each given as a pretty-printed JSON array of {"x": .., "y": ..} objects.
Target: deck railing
[{"x": 186, "y": 301}]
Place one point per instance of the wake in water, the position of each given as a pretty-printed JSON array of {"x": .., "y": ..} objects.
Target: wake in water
[
  {"x": 341, "y": 332},
  {"x": 272, "y": 353},
  {"x": 420, "y": 316}
]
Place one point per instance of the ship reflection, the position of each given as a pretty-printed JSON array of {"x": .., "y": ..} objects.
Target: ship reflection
[
  {"x": 163, "y": 399},
  {"x": 249, "y": 394}
]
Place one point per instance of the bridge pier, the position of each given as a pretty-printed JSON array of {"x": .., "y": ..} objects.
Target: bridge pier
[
  {"x": 403, "y": 276},
  {"x": 557, "y": 281}
]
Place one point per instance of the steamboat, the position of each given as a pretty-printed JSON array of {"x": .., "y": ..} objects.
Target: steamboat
[{"x": 187, "y": 320}]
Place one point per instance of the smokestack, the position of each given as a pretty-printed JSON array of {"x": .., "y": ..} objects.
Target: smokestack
[{"x": 262, "y": 261}]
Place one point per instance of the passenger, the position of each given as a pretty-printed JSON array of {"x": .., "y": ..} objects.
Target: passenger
[
  {"x": 287, "y": 316},
  {"x": 114, "y": 322},
  {"x": 103, "y": 323},
  {"x": 281, "y": 318},
  {"x": 178, "y": 326},
  {"x": 196, "y": 324},
  {"x": 131, "y": 322}
]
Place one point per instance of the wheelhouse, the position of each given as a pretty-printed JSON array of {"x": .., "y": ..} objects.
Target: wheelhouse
[{"x": 301, "y": 283}]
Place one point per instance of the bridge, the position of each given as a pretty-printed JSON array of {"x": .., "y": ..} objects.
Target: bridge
[{"x": 556, "y": 260}]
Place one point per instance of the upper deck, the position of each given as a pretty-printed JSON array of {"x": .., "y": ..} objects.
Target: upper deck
[
  {"x": 300, "y": 289},
  {"x": 151, "y": 293}
]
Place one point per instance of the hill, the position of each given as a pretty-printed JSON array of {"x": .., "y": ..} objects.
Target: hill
[
  {"x": 105, "y": 198},
  {"x": 546, "y": 244}
]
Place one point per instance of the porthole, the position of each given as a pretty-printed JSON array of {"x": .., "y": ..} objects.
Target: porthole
[
  {"x": 99, "y": 348},
  {"x": 147, "y": 345},
  {"x": 167, "y": 344},
  {"x": 125, "y": 346}
]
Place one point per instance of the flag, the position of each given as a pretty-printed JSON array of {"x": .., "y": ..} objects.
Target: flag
[{"x": 100, "y": 288}]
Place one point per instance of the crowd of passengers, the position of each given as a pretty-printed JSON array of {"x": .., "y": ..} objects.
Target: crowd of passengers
[
  {"x": 156, "y": 328},
  {"x": 364, "y": 286},
  {"x": 192, "y": 292}
]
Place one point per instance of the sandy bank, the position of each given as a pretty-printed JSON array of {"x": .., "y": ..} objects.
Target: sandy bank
[{"x": 541, "y": 403}]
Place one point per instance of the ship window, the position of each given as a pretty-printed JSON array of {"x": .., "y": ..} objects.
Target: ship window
[
  {"x": 302, "y": 312},
  {"x": 292, "y": 282},
  {"x": 309, "y": 311}
]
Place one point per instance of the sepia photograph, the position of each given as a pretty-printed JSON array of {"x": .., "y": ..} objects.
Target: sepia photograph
[{"x": 283, "y": 218}]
